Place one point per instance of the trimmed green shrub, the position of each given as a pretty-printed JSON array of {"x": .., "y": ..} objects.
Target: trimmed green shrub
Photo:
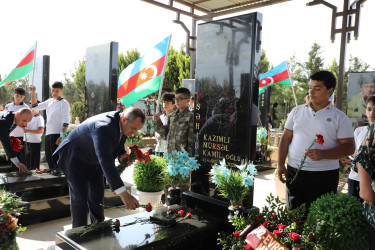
[
  {"x": 149, "y": 177},
  {"x": 337, "y": 222}
]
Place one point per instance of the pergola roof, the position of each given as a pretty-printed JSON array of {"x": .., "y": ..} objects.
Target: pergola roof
[{"x": 213, "y": 8}]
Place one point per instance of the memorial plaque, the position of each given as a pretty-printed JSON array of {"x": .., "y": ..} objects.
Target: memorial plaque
[
  {"x": 101, "y": 78},
  {"x": 227, "y": 68}
]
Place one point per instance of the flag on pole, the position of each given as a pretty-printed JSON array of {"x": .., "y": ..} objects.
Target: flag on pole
[
  {"x": 332, "y": 98},
  {"x": 277, "y": 75},
  {"x": 23, "y": 68},
  {"x": 144, "y": 76}
]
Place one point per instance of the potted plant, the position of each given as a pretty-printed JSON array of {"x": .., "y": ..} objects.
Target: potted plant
[
  {"x": 179, "y": 168},
  {"x": 233, "y": 184},
  {"x": 148, "y": 178},
  {"x": 9, "y": 227}
]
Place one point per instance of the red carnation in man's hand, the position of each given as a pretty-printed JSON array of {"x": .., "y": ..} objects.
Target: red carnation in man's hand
[
  {"x": 149, "y": 207},
  {"x": 320, "y": 139}
]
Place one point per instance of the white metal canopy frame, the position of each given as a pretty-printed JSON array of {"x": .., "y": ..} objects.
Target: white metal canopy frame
[{"x": 211, "y": 9}]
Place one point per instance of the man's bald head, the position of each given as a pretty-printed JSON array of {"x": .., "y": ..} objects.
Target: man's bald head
[{"x": 23, "y": 116}]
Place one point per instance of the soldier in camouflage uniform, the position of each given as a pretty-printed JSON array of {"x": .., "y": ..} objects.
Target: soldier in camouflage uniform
[{"x": 179, "y": 129}]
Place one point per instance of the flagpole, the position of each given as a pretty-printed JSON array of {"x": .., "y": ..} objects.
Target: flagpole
[
  {"x": 32, "y": 80},
  {"x": 162, "y": 77},
  {"x": 291, "y": 84}
]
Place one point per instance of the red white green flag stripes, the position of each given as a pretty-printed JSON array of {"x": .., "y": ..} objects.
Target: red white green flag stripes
[
  {"x": 23, "y": 68},
  {"x": 144, "y": 76}
]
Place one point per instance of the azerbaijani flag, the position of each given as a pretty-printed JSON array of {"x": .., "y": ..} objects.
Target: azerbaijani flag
[
  {"x": 23, "y": 68},
  {"x": 277, "y": 75},
  {"x": 144, "y": 76}
]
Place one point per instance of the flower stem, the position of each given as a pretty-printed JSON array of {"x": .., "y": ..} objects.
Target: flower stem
[{"x": 302, "y": 162}]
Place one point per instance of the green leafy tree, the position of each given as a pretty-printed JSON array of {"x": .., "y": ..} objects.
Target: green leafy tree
[
  {"x": 80, "y": 77},
  {"x": 178, "y": 68},
  {"x": 125, "y": 60},
  {"x": 71, "y": 93}
]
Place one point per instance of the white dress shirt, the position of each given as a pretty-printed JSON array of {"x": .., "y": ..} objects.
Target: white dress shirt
[
  {"x": 58, "y": 114},
  {"x": 36, "y": 123}
]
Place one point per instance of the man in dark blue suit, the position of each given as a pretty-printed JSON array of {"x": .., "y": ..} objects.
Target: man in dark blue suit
[
  {"x": 9, "y": 120},
  {"x": 88, "y": 152}
]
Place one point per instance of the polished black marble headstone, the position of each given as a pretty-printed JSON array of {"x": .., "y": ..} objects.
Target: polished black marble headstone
[
  {"x": 190, "y": 234},
  {"x": 228, "y": 58},
  {"x": 101, "y": 78}
]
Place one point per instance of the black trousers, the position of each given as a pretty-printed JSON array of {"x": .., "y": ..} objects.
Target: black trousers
[
  {"x": 50, "y": 147},
  {"x": 309, "y": 186},
  {"x": 33, "y": 155},
  {"x": 20, "y": 155}
]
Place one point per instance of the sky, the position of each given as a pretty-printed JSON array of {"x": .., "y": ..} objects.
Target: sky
[{"x": 65, "y": 29}]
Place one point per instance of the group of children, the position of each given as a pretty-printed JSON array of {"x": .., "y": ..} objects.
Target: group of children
[
  {"x": 58, "y": 116},
  {"x": 175, "y": 127}
]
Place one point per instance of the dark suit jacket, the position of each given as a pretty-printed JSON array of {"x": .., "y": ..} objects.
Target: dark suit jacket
[
  {"x": 6, "y": 121},
  {"x": 93, "y": 144}
]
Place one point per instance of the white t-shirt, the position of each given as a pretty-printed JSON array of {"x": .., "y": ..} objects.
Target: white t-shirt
[
  {"x": 58, "y": 114},
  {"x": 36, "y": 123},
  {"x": 330, "y": 122},
  {"x": 18, "y": 131},
  {"x": 359, "y": 135}
]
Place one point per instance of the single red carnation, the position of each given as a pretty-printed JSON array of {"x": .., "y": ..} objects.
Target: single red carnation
[
  {"x": 149, "y": 207},
  {"x": 273, "y": 216},
  {"x": 42, "y": 171},
  {"x": 294, "y": 236},
  {"x": 265, "y": 224},
  {"x": 312, "y": 237},
  {"x": 189, "y": 215},
  {"x": 296, "y": 248},
  {"x": 181, "y": 212},
  {"x": 117, "y": 223},
  {"x": 248, "y": 247},
  {"x": 236, "y": 235},
  {"x": 298, "y": 223},
  {"x": 171, "y": 211},
  {"x": 320, "y": 139},
  {"x": 277, "y": 233},
  {"x": 281, "y": 226}
]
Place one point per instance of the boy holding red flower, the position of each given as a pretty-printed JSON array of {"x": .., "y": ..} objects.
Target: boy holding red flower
[{"x": 320, "y": 172}]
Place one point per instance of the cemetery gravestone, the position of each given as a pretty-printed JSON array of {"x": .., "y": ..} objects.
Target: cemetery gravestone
[
  {"x": 101, "y": 78},
  {"x": 228, "y": 59}
]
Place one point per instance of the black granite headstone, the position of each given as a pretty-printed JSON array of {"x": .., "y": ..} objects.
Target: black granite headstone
[
  {"x": 101, "y": 78},
  {"x": 228, "y": 58}
]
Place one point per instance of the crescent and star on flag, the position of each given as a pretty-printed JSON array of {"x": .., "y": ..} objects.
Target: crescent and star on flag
[
  {"x": 266, "y": 81},
  {"x": 147, "y": 70}
]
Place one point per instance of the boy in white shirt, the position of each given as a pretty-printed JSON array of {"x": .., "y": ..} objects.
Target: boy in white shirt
[
  {"x": 18, "y": 96},
  {"x": 58, "y": 117},
  {"x": 33, "y": 138}
]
